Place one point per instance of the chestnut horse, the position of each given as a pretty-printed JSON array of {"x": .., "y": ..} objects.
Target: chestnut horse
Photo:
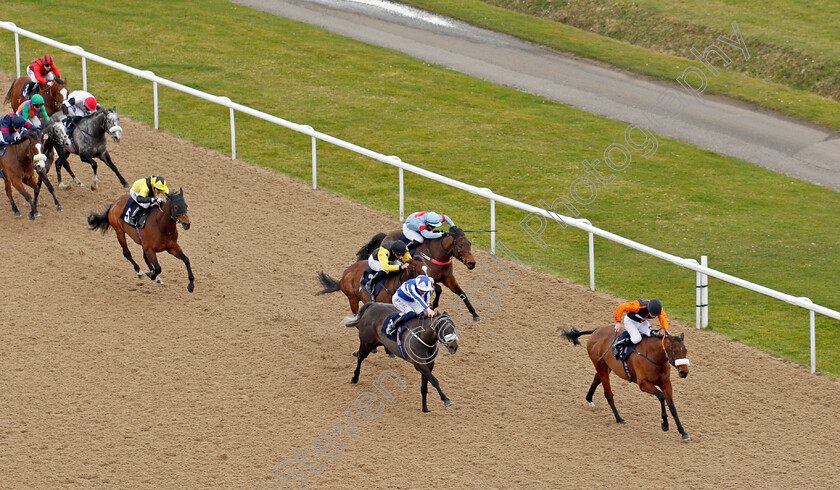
[
  {"x": 18, "y": 166},
  {"x": 350, "y": 283},
  {"x": 649, "y": 365},
  {"x": 159, "y": 235},
  {"x": 54, "y": 93},
  {"x": 418, "y": 339},
  {"x": 437, "y": 255}
]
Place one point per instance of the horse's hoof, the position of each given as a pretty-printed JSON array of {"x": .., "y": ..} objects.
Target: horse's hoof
[
  {"x": 665, "y": 427},
  {"x": 18, "y": 215},
  {"x": 34, "y": 215},
  {"x": 375, "y": 350},
  {"x": 190, "y": 288},
  {"x": 448, "y": 403},
  {"x": 62, "y": 185},
  {"x": 392, "y": 356},
  {"x": 93, "y": 187},
  {"x": 590, "y": 404},
  {"x": 426, "y": 410},
  {"x": 685, "y": 437},
  {"x": 60, "y": 208},
  {"x": 476, "y": 319},
  {"x": 159, "y": 281},
  {"x": 620, "y": 421},
  {"x": 354, "y": 380},
  {"x": 125, "y": 185},
  {"x": 356, "y": 354},
  {"x": 78, "y": 183}
]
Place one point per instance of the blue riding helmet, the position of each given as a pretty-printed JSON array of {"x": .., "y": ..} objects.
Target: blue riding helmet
[
  {"x": 433, "y": 219},
  {"x": 18, "y": 122}
]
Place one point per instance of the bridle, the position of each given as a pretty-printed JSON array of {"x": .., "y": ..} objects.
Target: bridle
[
  {"x": 443, "y": 339},
  {"x": 456, "y": 252},
  {"x": 669, "y": 352}
]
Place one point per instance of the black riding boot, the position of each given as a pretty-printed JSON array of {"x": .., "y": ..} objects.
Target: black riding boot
[
  {"x": 619, "y": 344},
  {"x": 33, "y": 89},
  {"x": 412, "y": 244},
  {"x": 376, "y": 277}
]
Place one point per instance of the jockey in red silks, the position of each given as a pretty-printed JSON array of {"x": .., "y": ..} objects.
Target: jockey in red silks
[{"x": 42, "y": 71}]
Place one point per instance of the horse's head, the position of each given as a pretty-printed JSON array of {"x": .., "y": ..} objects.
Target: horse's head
[
  {"x": 445, "y": 331},
  {"x": 58, "y": 134},
  {"x": 676, "y": 352},
  {"x": 461, "y": 247},
  {"x": 55, "y": 95},
  {"x": 112, "y": 124},
  {"x": 31, "y": 144},
  {"x": 178, "y": 210}
]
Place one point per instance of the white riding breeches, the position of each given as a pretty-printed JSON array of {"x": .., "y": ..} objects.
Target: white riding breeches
[
  {"x": 374, "y": 264},
  {"x": 35, "y": 121},
  {"x": 636, "y": 329},
  {"x": 31, "y": 74},
  {"x": 135, "y": 195},
  {"x": 406, "y": 306},
  {"x": 412, "y": 235}
]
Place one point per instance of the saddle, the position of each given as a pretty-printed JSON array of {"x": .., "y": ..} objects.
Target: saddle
[
  {"x": 396, "y": 335},
  {"x": 26, "y": 90},
  {"x": 367, "y": 276},
  {"x": 135, "y": 215},
  {"x": 624, "y": 352}
]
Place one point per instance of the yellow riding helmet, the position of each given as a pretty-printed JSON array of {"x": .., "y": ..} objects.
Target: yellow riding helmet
[{"x": 159, "y": 183}]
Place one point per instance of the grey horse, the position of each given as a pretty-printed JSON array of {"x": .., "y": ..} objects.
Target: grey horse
[
  {"x": 89, "y": 142},
  {"x": 56, "y": 137}
]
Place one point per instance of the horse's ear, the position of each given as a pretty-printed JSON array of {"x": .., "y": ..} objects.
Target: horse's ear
[
  {"x": 181, "y": 191},
  {"x": 682, "y": 336}
]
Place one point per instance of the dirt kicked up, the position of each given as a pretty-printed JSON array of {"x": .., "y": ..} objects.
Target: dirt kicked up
[{"x": 107, "y": 380}]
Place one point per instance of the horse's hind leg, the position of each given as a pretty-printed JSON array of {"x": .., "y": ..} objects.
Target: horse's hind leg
[
  {"x": 11, "y": 199},
  {"x": 106, "y": 157},
  {"x": 43, "y": 178},
  {"x": 126, "y": 251},
  {"x": 595, "y": 383},
  {"x": 151, "y": 259},
  {"x": 648, "y": 387},
  {"x": 177, "y": 252},
  {"x": 604, "y": 374},
  {"x": 364, "y": 350}
]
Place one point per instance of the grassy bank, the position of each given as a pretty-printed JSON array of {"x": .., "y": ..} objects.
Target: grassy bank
[
  {"x": 796, "y": 80},
  {"x": 753, "y": 223}
]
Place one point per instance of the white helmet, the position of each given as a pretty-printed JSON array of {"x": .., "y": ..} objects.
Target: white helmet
[{"x": 425, "y": 283}]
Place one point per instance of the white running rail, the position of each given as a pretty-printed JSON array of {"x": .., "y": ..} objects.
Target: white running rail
[{"x": 701, "y": 270}]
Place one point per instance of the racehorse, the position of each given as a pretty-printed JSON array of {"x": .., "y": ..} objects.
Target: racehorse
[
  {"x": 418, "y": 341},
  {"x": 54, "y": 93},
  {"x": 18, "y": 166},
  {"x": 648, "y": 365},
  {"x": 54, "y": 133},
  {"x": 350, "y": 283},
  {"x": 437, "y": 254},
  {"x": 89, "y": 142},
  {"x": 159, "y": 235}
]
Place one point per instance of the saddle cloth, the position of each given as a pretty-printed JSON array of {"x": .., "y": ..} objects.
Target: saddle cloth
[
  {"x": 128, "y": 216},
  {"x": 624, "y": 352},
  {"x": 367, "y": 276}
]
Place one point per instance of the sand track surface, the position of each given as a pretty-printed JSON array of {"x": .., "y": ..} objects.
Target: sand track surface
[{"x": 107, "y": 380}]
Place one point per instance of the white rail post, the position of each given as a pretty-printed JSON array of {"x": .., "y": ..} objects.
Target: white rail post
[
  {"x": 232, "y": 130},
  {"x": 699, "y": 300},
  {"x": 402, "y": 190},
  {"x": 493, "y": 226},
  {"x": 704, "y": 289},
  {"x": 813, "y": 337},
  {"x": 314, "y": 158},
  {"x": 17, "y": 53},
  {"x": 84, "y": 66},
  {"x": 154, "y": 95},
  {"x": 591, "y": 257}
]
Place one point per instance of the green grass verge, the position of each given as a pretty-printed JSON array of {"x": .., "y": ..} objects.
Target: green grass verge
[
  {"x": 752, "y": 222},
  {"x": 788, "y": 97}
]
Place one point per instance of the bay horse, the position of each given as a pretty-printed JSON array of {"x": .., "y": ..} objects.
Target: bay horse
[
  {"x": 418, "y": 339},
  {"x": 159, "y": 235},
  {"x": 649, "y": 365},
  {"x": 18, "y": 166},
  {"x": 437, "y": 254},
  {"x": 89, "y": 142},
  {"x": 351, "y": 280},
  {"x": 54, "y": 93}
]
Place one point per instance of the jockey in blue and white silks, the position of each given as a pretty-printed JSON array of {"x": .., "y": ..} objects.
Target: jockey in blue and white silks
[
  {"x": 413, "y": 298},
  {"x": 421, "y": 226}
]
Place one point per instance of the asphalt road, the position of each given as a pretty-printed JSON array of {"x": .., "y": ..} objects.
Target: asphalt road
[{"x": 719, "y": 124}]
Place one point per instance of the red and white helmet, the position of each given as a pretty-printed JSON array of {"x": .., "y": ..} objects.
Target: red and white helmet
[
  {"x": 90, "y": 104},
  {"x": 48, "y": 61}
]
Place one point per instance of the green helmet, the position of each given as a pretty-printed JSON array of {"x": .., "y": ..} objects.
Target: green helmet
[{"x": 37, "y": 99}]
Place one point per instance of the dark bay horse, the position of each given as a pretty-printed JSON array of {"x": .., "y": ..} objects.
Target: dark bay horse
[
  {"x": 54, "y": 93},
  {"x": 18, "y": 167},
  {"x": 437, "y": 255},
  {"x": 350, "y": 283},
  {"x": 159, "y": 235},
  {"x": 419, "y": 341},
  {"x": 89, "y": 142},
  {"x": 650, "y": 365}
]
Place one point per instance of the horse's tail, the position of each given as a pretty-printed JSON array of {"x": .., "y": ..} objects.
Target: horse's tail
[
  {"x": 353, "y": 320},
  {"x": 9, "y": 93},
  {"x": 372, "y": 245},
  {"x": 98, "y": 221},
  {"x": 330, "y": 284},
  {"x": 573, "y": 334}
]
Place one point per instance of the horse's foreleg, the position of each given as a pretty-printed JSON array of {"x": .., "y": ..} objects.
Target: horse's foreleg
[
  {"x": 604, "y": 374},
  {"x": 151, "y": 259},
  {"x": 106, "y": 157},
  {"x": 43, "y": 178},
  {"x": 648, "y": 387},
  {"x": 424, "y": 390},
  {"x": 438, "y": 290},
  {"x": 595, "y": 383},
  {"x": 11, "y": 199},
  {"x": 426, "y": 370},
  {"x": 177, "y": 252},
  {"x": 33, "y": 211},
  {"x": 126, "y": 251},
  {"x": 669, "y": 397},
  {"x": 453, "y": 286},
  {"x": 94, "y": 184}
]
